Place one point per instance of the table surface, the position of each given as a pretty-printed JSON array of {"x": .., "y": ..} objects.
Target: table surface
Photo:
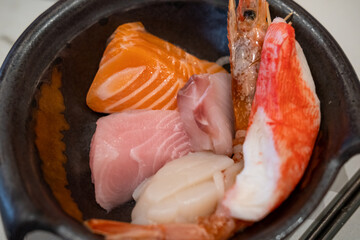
[{"x": 340, "y": 18}]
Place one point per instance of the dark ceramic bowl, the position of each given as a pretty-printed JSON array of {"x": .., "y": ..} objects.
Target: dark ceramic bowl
[{"x": 72, "y": 35}]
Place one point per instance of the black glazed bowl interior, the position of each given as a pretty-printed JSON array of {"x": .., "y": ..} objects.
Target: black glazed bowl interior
[{"x": 72, "y": 36}]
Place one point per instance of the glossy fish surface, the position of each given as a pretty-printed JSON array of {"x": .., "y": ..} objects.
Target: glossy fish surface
[
  {"x": 283, "y": 126},
  {"x": 141, "y": 71},
  {"x": 130, "y": 146}
]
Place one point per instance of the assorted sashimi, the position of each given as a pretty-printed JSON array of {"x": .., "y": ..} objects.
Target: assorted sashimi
[
  {"x": 141, "y": 71},
  {"x": 206, "y": 109},
  {"x": 176, "y": 163},
  {"x": 130, "y": 146}
]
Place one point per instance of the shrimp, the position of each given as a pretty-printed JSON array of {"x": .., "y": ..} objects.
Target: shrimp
[
  {"x": 246, "y": 31},
  {"x": 219, "y": 225},
  {"x": 283, "y": 125}
]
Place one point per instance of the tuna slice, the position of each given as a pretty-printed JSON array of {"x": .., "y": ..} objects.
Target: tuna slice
[
  {"x": 130, "y": 146},
  {"x": 206, "y": 108}
]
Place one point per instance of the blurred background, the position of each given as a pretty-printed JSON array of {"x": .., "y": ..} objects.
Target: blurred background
[{"x": 340, "y": 18}]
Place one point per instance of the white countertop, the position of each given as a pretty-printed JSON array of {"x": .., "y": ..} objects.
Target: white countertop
[{"x": 340, "y": 18}]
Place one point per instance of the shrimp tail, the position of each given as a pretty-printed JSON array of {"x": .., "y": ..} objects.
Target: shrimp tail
[
  {"x": 221, "y": 225},
  {"x": 114, "y": 230}
]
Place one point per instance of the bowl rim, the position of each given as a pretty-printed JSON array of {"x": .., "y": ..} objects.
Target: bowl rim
[{"x": 24, "y": 218}]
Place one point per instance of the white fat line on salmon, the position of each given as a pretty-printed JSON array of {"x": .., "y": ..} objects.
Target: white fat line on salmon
[
  {"x": 163, "y": 97},
  {"x": 138, "y": 90},
  {"x": 193, "y": 69},
  {"x": 160, "y": 52},
  {"x": 104, "y": 63},
  {"x": 104, "y": 92},
  {"x": 127, "y": 43},
  {"x": 171, "y": 102},
  {"x": 167, "y": 47},
  {"x": 154, "y": 92},
  {"x": 173, "y": 60},
  {"x": 190, "y": 69},
  {"x": 184, "y": 68},
  {"x": 104, "y": 60}
]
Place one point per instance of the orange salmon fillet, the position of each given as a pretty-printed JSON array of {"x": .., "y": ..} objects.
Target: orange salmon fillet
[{"x": 141, "y": 71}]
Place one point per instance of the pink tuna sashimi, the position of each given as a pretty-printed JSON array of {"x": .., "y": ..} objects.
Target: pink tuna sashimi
[
  {"x": 130, "y": 146},
  {"x": 206, "y": 108}
]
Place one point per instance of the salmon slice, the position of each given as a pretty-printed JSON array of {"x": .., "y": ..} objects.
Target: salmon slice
[{"x": 141, "y": 71}]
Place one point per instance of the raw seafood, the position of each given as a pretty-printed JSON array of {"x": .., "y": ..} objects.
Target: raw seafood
[
  {"x": 130, "y": 146},
  {"x": 206, "y": 109},
  {"x": 246, "y": 31},
  {"x": 284, "y": 123},
  {"x": 183, "y": 190},
  {"x": 141, "y": 71}
]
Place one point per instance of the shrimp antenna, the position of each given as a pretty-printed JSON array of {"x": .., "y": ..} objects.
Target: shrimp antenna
[
  {"x": 288, "y": 16},
  {"x": 268, "y": 16}
]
